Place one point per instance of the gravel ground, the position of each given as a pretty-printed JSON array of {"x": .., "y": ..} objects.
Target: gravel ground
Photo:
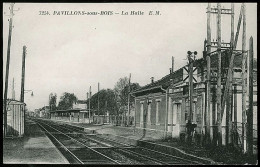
[{"x": 222, "y": 155}]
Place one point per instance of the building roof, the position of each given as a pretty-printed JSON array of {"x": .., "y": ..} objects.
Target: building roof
[
  {"x": 69, "y": 110},
  {"x": 177, "y": 75},
  {"x": 163, "y": 82}
]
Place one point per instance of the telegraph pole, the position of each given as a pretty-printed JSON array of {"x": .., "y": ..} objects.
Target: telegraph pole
[
  {"x": 208, "y": 95},
  {"x": 228, "y": 86},
  {"x": 98, "y": 98},
  {"x": 7, "y": 66},
  {"x": 23, "y": 75},
  {"x": 230, "y": 98},
  {"x": 129, "y": 90},
  {"x": 172, "y": 63},
  {"x": 89, "y": 103},
  {"x": 244, "y": 79},
  {"x": 251, "y": 94},
  {"x": 219, "y": 92}
]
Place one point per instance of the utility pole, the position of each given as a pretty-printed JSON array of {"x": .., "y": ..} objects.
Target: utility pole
[
  {"x": 219, "y": 92},
  {"x": 7, "y": 66},
  {"x": 244, "y": 79},
  {"x": 229, "y": 109},
  {"x": 98, "y": 98},
  {"x": 235, "y": 116},
  {"x": 208, "y": 95},
  {"x": 172, "y": 63},
  {"x": 229, "y": 79},
  {"x": 129, "y": 90},
  {"x": 251, "y": 94},
  {"x": 89, "y": 103},
  {"x": 23, "y": 75}
]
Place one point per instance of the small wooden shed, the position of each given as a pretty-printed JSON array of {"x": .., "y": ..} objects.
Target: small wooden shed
[{"x": 15, "y": 118}]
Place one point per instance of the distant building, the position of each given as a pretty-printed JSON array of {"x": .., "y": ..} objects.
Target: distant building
[{"x": 80, "y": 104}]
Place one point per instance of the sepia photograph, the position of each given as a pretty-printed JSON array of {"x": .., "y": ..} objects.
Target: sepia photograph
[{"x": 117, "y": 83}]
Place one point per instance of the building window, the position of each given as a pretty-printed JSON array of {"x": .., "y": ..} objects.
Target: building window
[
  {"x": 149, "y": 111},
  {"x": 141, "y": 112},
  {"x": 157, "y": 112}
]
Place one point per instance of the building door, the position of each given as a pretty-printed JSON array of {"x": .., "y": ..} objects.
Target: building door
[{"x": 142, "y": 115}]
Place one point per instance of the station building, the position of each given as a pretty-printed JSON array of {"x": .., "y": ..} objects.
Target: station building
[
  {"x": 78, "y": 113},
  {"x": 162, "y": 107}
]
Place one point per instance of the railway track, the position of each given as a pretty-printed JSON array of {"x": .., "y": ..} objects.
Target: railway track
[{"x": 95, "y": 149}]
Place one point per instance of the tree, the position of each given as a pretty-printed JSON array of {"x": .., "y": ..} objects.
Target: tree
[
  {"x": 53, "y": 101},
  {"x": 107, "y": 102},
  {"x": 121, "y": 90},
  {"x": 125, "y": 91},
  {"x": 66, "y": 101},
  {"x": 121, "y": 98}
]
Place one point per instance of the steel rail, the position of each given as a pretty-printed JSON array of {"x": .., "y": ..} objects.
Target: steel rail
[
  {"x": 117, "y": 142},
  {"x": 62, "y": 144},
  {"x": 122, "y": 149},
  {"x": 179, "y": 158},
  {"x": 84, "y": 145}
]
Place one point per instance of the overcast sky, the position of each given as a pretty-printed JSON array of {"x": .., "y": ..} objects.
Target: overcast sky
[{"x": 69, "y": 53}]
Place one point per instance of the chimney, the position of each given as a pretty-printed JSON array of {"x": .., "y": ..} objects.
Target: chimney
[{"x": 152, "y": 79}]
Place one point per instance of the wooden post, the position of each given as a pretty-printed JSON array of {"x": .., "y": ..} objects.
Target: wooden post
[
  {"x": 230, "y": 69},
  {"x": 7, "y": 66},
  {"x": 166, "y": 115},
  {"x": 23, "y": 75},
  {"x": 135, "y": 117},
  {"x": 235, "y": 116},
  {"x": 128, "y": 100},
  {"x": 215, "y": 132},
  {"x": 231, "y": 116},
  {"x": 190, "y": 97},
  {"x": 232, "y": 26},
  {"x": 227, "y": 121},
  {"x": 251, "y": 94},
  {"x": 172, "y": 63},
  {"x": 243, "y": 80},
  {"x": 98, "y": 98},
  {"x": 219, "y": 92},
  {"x": 89, "y": 104},
  {"x": 231, "y": 78},
  {"x": 208, "y": 95}
]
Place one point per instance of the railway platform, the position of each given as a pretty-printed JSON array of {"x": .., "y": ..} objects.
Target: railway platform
[{"x": 34, "y": 148}]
